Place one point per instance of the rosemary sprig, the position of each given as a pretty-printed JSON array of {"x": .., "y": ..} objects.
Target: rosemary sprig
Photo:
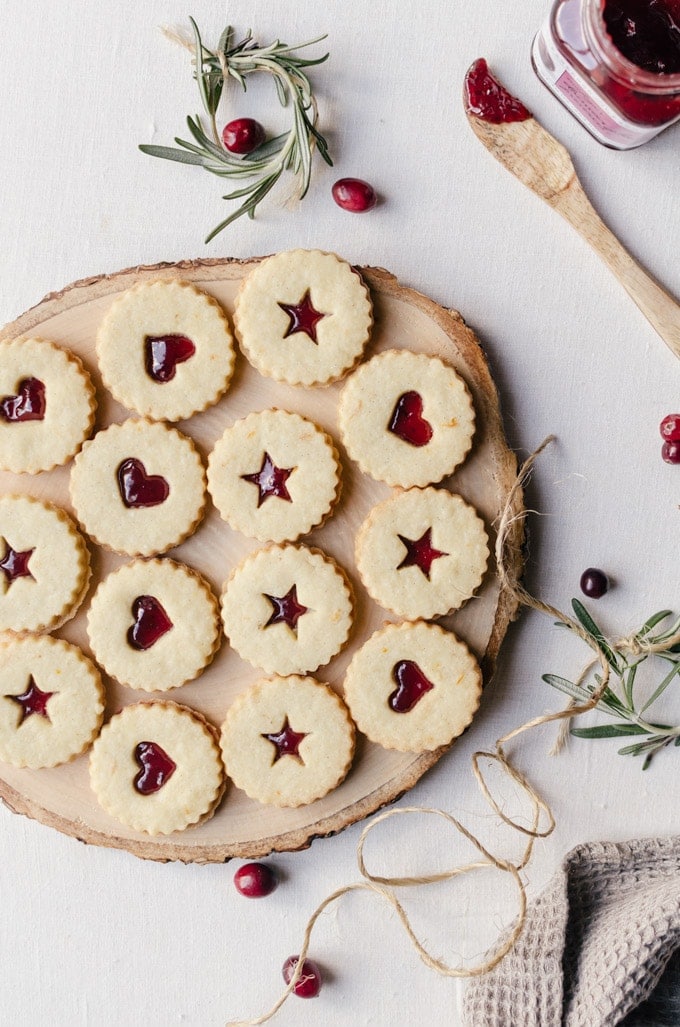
[
  {"x": 624, "y": 659},
  {"x": 291, "y": 151}
]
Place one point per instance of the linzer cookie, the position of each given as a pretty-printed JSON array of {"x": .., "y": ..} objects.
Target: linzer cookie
[
  {"x": 165, "y": 350},
  {"x": 287, "y": 609},
  {"x": 138, "y": 487},
  {"x": 156, "y": 767},
  {"x": 274, "y": 475},
  {"x": 44, "y": 565},
  {"x": 153, "y": 624},
  {"x": 422, "y": 552},
  {"x": 303, "y": 317},
  {"x": 287, "y": 741},
  {"x": 406, "y": 418},
  {"x": 413, "y": 687},
  {"x": 51, "y": 701},
  {"x": 47, "y": 405}
]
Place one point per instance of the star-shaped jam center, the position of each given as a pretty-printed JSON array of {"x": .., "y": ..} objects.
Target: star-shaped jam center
[
  {"x": 420, "y": 553},
  {"x": 286, "y": 609},
  {"x": 32, "y": 701},
  {"x": 270, "y": 480},
  {"x": 303, "y": 317},
  {"x": 14, "y": 563},
  {"x": 286, "y": 742}
]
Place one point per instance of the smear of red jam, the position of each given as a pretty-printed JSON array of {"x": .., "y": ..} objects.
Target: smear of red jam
[
  {"x": 303, "y": 317},
  {"x": 420, "y": 553},
  {"x": 162, "y": 354},
  {"x": 488, "y": 100},
  {"x": 407, "y": 421},
  {"x": 270, "y": 480},
  {"x": 29, "y": 403},
  {"x": 139, "y": 489},
  {"x": 286, "y": 742},
  {"x": 286, "y": 609},
  {"x": 14, "y": 564},
  {"x": 151, "y": 622},
  {"x": 646, "y": 32},
  {"x": 412, "y": 685},
  {"x": 157, "y": 768},
  {"x": 32, "y": 701}
]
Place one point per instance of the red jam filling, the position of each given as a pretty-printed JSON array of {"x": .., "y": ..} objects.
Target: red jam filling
[
  {"x": 412, "y": 685},
  {"x": 32, "y": 701},
  {"x": 270, "y": 480},
  {"x": 162, "y": 354},
  {"x": 286, "y": 742},
  {"x": 646, "y": 32},
  {"x": 407, "y": 421},
  {"x": 420, "y": 553},
  {"x": 139, "y": 489},
  {"x": 303, "y": 317},
  {"x": 151, "y": 623},
  {"x": 157, "y": 768},
  {"x": 286, "y": 609},
  {"x": 15, "y": 564},
  {"x": 29, "y": 404},
  {"x": 488, "y": 100}
]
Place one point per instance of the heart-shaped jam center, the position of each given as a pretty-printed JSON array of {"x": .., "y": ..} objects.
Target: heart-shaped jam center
[
  {"x": 14, "y": 564},
  {"x": 420, "y": 553},
  {"x": 303, "y": 317},
  {"x": 137, "y": 488},
  {"x": 151, "y": 623},
  {"x": 162, "y": 354},
  {"x": 270, "y": 480},
  {"x": 407, "y": 421},
  {"x": 157, "y": 768},
  {"x": 411, "y": 683},
  {"x": 286, "y": 609},
  {"x": 32, "y": 701},
  {"x": 286, "y": 742},
  {"x": 29, "y": 404}
]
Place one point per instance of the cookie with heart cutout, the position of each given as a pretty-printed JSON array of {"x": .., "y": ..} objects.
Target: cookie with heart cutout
[
  {"x": 413, "y": 687},
  {"x": 406, "y": 418},
  {"x": 138, "y": 487},
  {"x": 47, "y": 405},
  {"x": 156, "y": 767},
  {"x": 153, "y": 624}
]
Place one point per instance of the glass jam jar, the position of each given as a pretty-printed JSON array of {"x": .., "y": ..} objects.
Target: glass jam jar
[{"x": 615, "y": 64}]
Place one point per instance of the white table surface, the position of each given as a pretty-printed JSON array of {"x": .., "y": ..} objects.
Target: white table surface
[{"x": 92, "y": 936}]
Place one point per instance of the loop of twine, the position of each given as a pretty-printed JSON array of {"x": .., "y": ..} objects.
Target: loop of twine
[{"x": 382, "y": 886}]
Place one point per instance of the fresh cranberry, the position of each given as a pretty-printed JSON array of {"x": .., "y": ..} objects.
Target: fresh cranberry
[
  {"x": 255, "y": 880},
  {"x": 309, "y": 982},
  {"x": 594, "y": 583},
  {"x": 670, "y": 451},
  {"x": 243, "y": 135},
  {"x": 354, "y": 195},
  {"x": 670, "y": 428}
]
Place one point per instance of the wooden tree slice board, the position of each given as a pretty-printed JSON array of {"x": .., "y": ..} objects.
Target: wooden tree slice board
[{"x": 61, "y": 797}]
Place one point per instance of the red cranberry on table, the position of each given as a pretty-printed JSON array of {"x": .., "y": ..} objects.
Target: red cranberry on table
[
  {"x": 255, "y": 880},
  {"x": 354, "y": 195},
  {"x": 594, "y": 583},
  {"x": 309, "y": 982},
  {"x": 670, "y": 428},
  {"x": 243, "y": 135},
  {"x": 670, "y": 451}
]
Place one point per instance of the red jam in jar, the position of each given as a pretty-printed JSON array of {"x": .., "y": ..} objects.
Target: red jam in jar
[{"x": 615, "y": 64}]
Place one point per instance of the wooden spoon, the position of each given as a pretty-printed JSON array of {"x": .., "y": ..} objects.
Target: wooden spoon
[{"x": 537, "y": 159}]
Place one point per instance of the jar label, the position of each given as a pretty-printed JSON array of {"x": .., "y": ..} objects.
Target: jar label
[{"x": 591, "y": 112}]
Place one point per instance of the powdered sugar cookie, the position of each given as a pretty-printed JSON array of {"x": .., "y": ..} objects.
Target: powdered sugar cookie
[
  {"x": 44, "y": 565},
  {"x": 153, "y": 624},
  {"x": 406, "y": 418},
  {"x": 51, "y": 701},
  {"x": 287, "y": 609},
  {"x": 156, "y": 767},
  {"x": 287, "y": 741},
  {"x": 47, "y": 405},
  {"x": 138, "y": 487},
  {"x": 422, "y": 552},
  {"x": 413, "y": 687},
  {"x": 165, "y": 350},
  {"x": 274, "y": 475},
  {"x": 303, "y": 317}
]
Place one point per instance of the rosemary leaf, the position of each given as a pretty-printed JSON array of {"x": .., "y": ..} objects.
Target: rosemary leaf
[{"x": 608, "y": 731}]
